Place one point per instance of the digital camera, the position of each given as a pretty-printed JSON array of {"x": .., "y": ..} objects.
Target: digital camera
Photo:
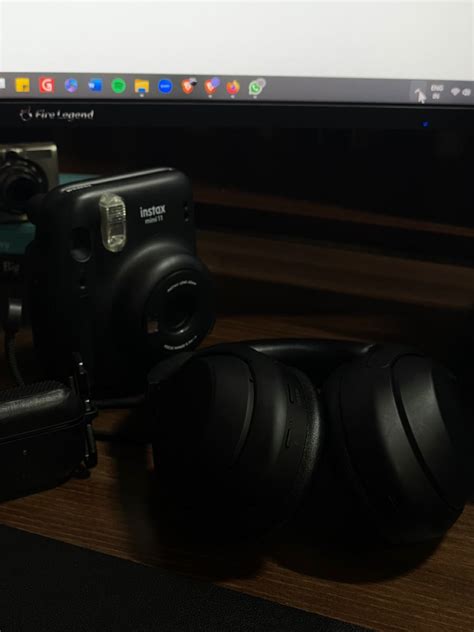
[
  {"x": 113, "y": 275},
  {"x": 25, "y": 171}
]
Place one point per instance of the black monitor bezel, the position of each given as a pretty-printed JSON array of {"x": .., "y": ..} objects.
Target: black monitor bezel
[{"x": 130, "y": 113}]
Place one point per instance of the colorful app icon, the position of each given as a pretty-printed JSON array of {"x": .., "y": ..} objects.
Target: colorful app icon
[
  {"x": 188, "y": 85},
  {"x": 71, "y": 85},
  {"x": 165, "y": 86},
  {"x": 142, "y": 86},
  {"x": 22, "y": 84},
  {"x": 211, "y": 85},
  {"x": 96, "y": 85},
  {"x": 3, "y": 83},
  {"x": 46, "y": 85},
  {"x": 257, "y": 87},
  {"x": 118, "y": 85},
  {"x": 233, "y": 87}
]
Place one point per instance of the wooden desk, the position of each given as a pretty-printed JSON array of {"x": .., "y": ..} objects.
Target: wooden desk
[{"x": 110, "y": 512}]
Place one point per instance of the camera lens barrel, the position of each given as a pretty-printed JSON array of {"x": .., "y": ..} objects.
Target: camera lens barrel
[
  {"x": 20, "y": 181},
  {"x": 179, "y": 311},
  {"x": 173, "y": 302}
]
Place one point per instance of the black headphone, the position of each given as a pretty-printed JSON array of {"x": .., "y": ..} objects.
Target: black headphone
[{"x": 243, "y": 430}]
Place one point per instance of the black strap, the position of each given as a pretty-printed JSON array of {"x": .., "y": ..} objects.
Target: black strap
[{"x": 11, "y": 359}]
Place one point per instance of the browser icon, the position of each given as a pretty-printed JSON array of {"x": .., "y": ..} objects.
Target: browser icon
[{"x": 188, "y": 85}]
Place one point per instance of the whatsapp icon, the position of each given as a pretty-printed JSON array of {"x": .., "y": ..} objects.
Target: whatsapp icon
[
  {"x": 256, "y": 87},
  {"x": 119, "y": 85}
]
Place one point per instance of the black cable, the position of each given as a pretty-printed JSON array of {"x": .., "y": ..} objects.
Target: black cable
[
  {"x": 125, "y": 402},
  {"x": 11, "y": 358},
  {"x": 113, "y": 437}
]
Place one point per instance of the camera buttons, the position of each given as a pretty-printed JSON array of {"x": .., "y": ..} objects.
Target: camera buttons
[{"x": 81, "y": 249}]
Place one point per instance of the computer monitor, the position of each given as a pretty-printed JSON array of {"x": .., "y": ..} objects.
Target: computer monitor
[{"x": 299, "y": 62}]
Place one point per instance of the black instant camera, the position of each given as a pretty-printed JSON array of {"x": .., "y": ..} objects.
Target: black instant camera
[{"x": 114, "y": 276}]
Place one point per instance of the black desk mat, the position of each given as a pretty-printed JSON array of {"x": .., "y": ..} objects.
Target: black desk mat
[{"x": 46, "y": 585}]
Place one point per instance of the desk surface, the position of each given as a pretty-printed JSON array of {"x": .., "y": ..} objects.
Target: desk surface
[{"x": 110, "y": 512}]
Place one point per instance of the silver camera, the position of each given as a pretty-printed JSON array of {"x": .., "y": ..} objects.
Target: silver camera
[{"x": 26, "y": 169}]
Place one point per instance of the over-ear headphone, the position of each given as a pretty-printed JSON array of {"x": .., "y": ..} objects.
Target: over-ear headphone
[{"x": 242, "y": 430}]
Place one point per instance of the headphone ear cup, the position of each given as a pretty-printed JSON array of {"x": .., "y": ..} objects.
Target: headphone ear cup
[
  {"x": 237, "y": 437},
  {"x": 391, "y": 432},
  {"x": 315, "y": 436}
]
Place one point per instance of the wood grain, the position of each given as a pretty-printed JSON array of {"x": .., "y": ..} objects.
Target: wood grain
[
  {"x": 392, "y": 590},
  {"x": 273, "y": 288},
  {"x": 338, "y": 270},
  {"x": 236, "y": 198}
]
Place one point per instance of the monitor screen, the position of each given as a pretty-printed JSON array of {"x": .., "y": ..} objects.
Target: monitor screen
[{"x": 372, "y": 53}]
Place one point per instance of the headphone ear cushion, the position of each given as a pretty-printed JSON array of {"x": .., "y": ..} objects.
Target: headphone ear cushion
[{"x": 313, "y": 447}]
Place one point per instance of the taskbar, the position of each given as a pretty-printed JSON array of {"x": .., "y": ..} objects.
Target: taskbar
[{"x": 125, "y": 87}]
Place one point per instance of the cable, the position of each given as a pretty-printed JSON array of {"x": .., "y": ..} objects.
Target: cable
[
  {"x": 11, "y": 358},
  {"x": 104, "y": 436},
  {"x": 125, "y": 402}
]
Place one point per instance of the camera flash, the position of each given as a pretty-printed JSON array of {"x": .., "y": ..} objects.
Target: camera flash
[{"x": 113, "y": 219}]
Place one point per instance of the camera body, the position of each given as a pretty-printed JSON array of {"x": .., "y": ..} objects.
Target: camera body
[
  {"x": 26, "y": 169},
  {"x": 113, "y": 275}
]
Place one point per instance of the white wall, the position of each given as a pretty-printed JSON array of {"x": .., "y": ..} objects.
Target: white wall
[{"x": 379, "y": 38}]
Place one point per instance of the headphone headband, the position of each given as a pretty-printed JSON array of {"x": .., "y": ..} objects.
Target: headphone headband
[{"x": 315, "y": 357}]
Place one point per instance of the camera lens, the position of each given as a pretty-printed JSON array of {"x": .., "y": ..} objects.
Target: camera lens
[
  {"x": 20, "y": 180},
  {"x": 178, "y": 311},
  {"x": 18, "y": 190}
]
